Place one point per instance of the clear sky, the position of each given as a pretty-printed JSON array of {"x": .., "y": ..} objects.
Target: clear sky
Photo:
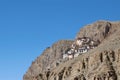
[{"x": 27, "y": 27}]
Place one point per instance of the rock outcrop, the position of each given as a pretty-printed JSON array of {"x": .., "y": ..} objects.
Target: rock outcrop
[
  {"x": 100, "y": 63},
  {"x": 99, "y": 30},
  {"x": 49, "y": 59}
]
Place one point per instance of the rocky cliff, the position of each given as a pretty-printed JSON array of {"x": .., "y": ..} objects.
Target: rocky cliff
[{"x": 100, "y": 63}]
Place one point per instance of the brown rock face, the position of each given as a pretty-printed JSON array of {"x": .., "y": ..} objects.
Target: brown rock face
[
  {"x": 95, "y": 66},
  {"x": 49, "y": 59},
  {"x": 100, "y": 63},
  {"x": 98, "y": 30}
]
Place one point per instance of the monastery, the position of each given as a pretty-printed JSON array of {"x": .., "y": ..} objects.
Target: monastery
[{"x": 80, "y": 45}]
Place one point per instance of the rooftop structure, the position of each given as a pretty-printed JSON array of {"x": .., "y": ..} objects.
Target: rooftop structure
[{"x": 81, "y": 45}]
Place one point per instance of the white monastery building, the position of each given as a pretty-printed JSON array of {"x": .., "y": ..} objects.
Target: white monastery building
[{"x": 81, "y": 45}]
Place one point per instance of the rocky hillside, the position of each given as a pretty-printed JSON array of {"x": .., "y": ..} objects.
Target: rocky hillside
[
  {"x": 50, "y": 57},
  {"x": 100, "y": 63}
]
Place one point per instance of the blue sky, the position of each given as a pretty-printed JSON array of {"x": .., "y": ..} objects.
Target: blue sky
[{"x": 27, "y": 27}]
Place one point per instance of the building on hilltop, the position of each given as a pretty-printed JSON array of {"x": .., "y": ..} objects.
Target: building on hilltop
[{"x": 80, "y": 45}]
